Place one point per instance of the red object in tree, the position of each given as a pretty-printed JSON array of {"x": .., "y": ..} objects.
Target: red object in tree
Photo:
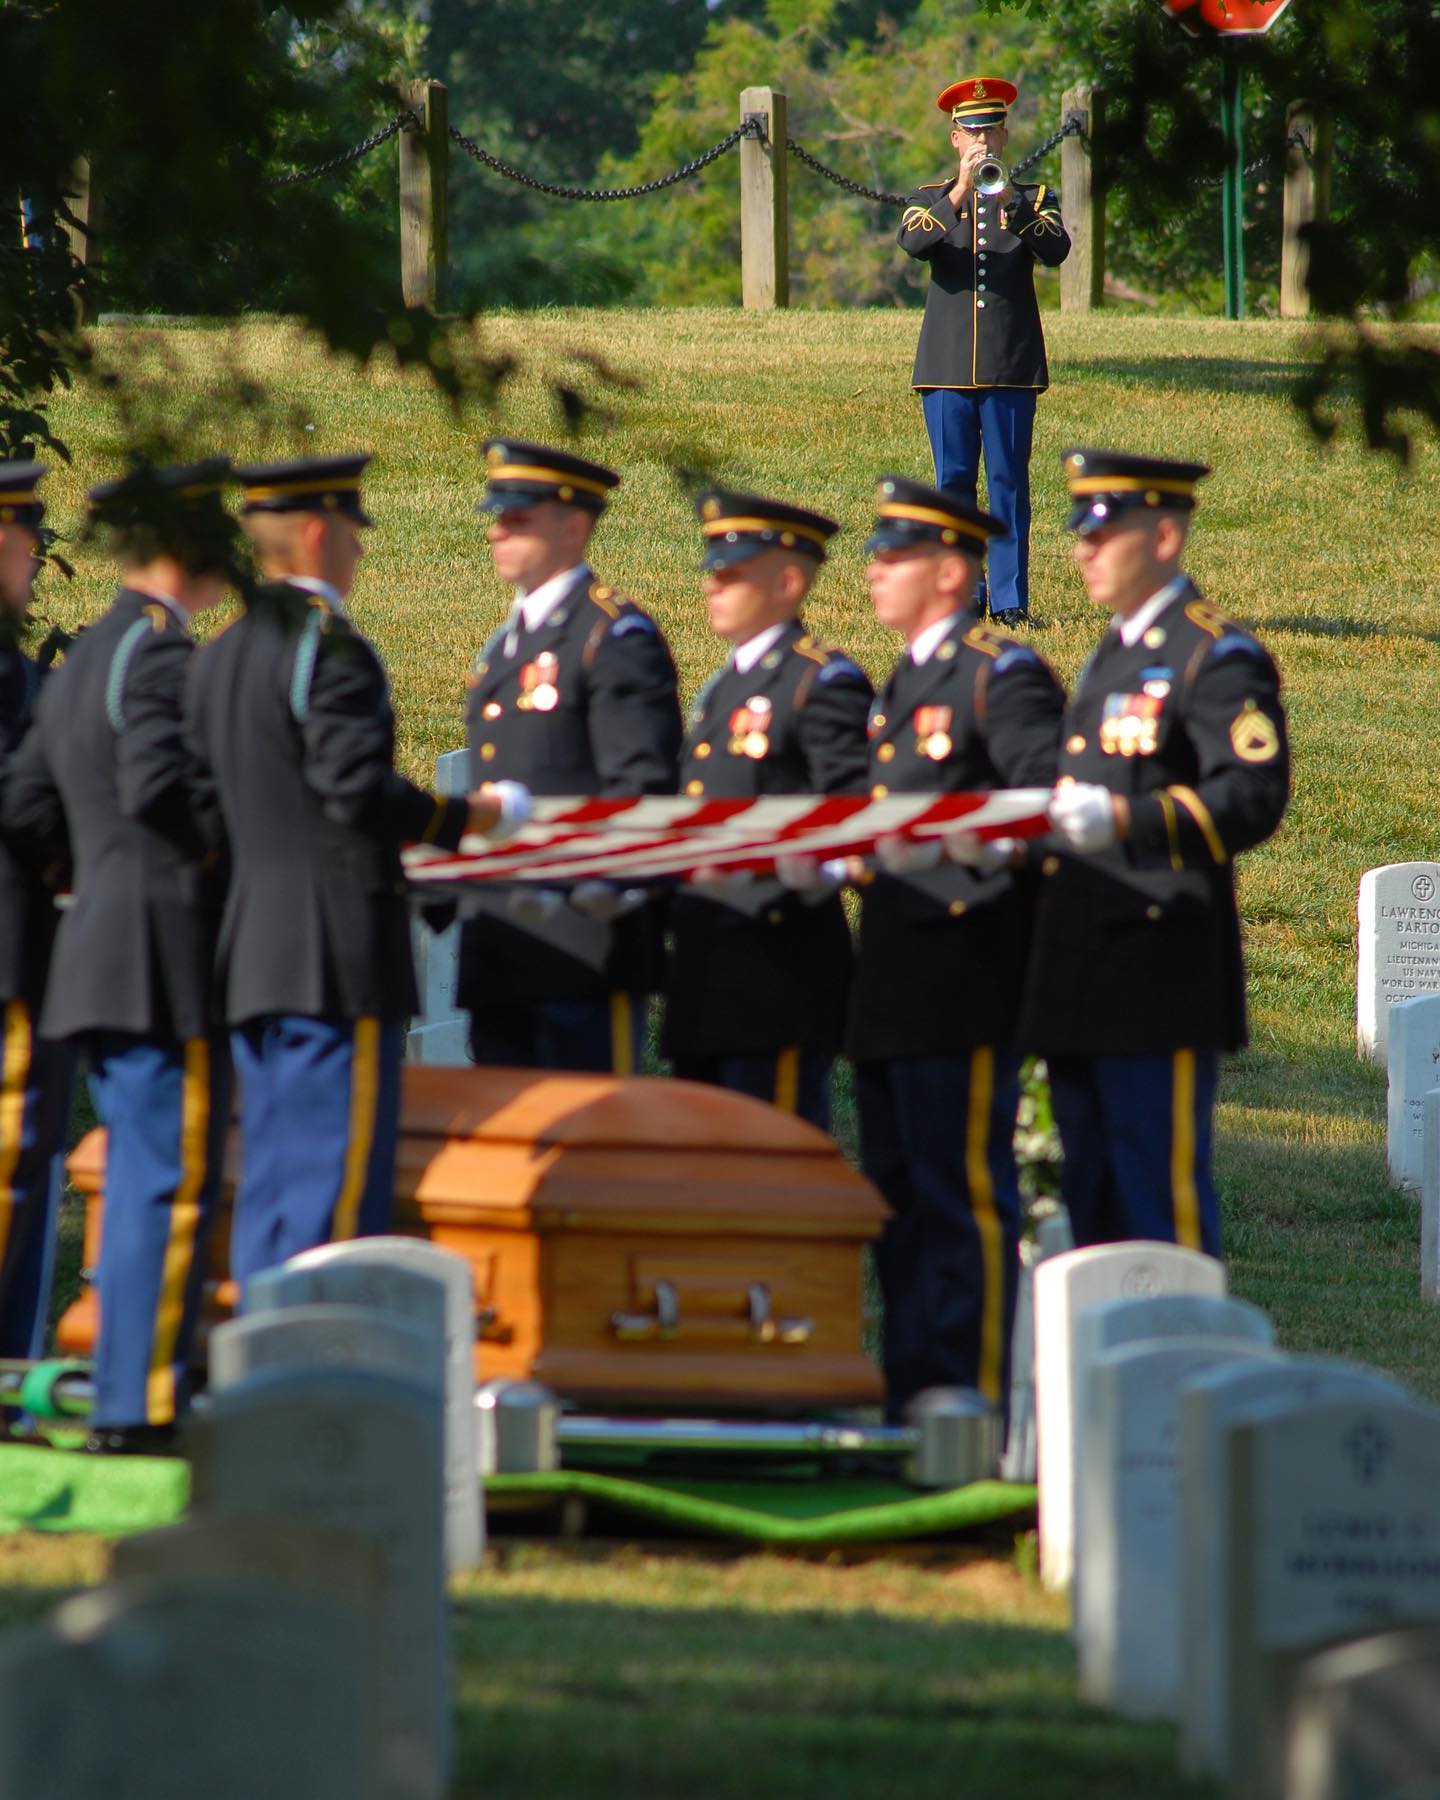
[{"x": 1231, "y": 18}]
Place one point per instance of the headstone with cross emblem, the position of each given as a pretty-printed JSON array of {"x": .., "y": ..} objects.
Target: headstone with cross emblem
[
  {"x": 1333, "y": 1519},
  {"x": 1399, "y": 947},
  {"x": 441, "y": 1032},
  {"x": 1210, "y": 1405},
  {"x": 1064, "y": 1287},
  {"x": 1413, "y": 1065},
  {"x": 1127, "y": 1550}
]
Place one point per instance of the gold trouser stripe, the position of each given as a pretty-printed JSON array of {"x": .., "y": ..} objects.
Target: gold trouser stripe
[
  {"x": 622, "y": 1038},
  {"x": 1182, "y": 1152},
  {"x": 364, "y": 1099},
  {"x": 14, "y": 1079},
  {"x": 1204, "y": 818},
  {"x": 184, "y": 1230},
  {"x": 987, "y": 1220},
  {"x": 787, "y": 1079}
]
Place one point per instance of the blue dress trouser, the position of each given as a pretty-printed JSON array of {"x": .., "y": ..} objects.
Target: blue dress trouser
[
  {"x": 596, "y": 1037},
  {"x": 1136, "y": 1131},
  {"x": 937, "y": 1139},
  {"x": 1000, "y": 422},
  {"x": 797, "y": 1081},
  {"x": 165, "y": 1104},
  {"x": 35, "y": 1081},
  {"x": 319, "y": 1119}
]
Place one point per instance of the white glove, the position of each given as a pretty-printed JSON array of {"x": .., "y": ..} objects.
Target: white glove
[
  {"x": 983, "y": 855},
  {"x": 728, "y": 886},
  {"x": 605, "y": 902},
  {"x": 533, "y": 905},
  {"x": 1083, "y": 813},
  {"x": 812, "y": 880},
  {"x": 515, "y": 804},
  {"x": 905, "y": 856}
]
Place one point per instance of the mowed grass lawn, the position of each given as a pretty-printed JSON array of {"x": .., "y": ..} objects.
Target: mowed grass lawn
[{"x": 631, "y": 1672}]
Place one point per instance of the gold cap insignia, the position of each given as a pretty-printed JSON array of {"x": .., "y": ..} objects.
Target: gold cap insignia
[
  {"x": 494, "y": 457},
  {"x": 710, "y": 510},
  {"x": 978, "y": 91}
]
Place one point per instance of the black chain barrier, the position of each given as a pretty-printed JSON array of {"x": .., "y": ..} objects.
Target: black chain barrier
[
  {"x": 750, "y": 128},
  {"x": 404, "y": 121},
  {"x": 1295, "y": 141},
  {"x": 1073, "y": 127}
]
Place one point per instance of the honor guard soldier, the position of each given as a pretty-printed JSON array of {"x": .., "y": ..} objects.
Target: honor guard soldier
[
  {"x": 981, "y": 361},
  {"x": 34, "y": 1071},
  {"x": 131, "y": 977},
  {"x": 573, "y": 694},
  {"x": 943, "y": 947},
  {"x": 761, "y": 968},
  {"x": 1173, "y": 760},
  {"x": 290, "y": 722}
]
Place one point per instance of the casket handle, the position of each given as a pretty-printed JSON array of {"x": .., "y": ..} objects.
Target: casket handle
[{"x": 756, "y": 1320}]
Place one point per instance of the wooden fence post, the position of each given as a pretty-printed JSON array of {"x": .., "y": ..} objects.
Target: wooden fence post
[
  {"x": 1307, "y": 197},
  {"x": 424, "y": 172},
  {"x": 83, "y": 199},
  {"x": 1082, "y": 202},
  {"x": 764, "y": 203}
]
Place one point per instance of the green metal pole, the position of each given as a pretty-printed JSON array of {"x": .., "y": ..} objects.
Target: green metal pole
[{"x": 1232, "y": 187}]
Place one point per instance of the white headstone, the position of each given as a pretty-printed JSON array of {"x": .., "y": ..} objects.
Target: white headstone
[
  {"x": 1413, "y": 1067},
  {"x": 325, "y": 1337},
  {"x": 149, "y": 1691},
  {"x": 1064, "y": 1286},
  {"x": 440, "y": 1033},
  {"x": 359, "y": 1453},
  {"x": 1430, "y": 1199},
  {"x": 1210, "y": 1405},
  {"x": 389, "y": 1260},
  {"x": 1363, "y": 1721},
  {"x": 1399, "y": 947},
  {"x": 1052, "y": 1236},
  {"x": 1127, "y": 1628},
  {"x": 1334, "y": 1526}
]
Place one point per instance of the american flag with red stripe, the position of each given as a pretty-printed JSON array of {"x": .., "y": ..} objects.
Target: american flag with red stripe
[{"x": 669, "y": 837}]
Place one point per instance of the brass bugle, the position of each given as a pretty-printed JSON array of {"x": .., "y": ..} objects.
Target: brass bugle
[{"x": 991, "y": 177}]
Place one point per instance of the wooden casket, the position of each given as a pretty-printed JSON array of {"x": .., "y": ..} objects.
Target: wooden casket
[{"x": 635, "y": 1241}]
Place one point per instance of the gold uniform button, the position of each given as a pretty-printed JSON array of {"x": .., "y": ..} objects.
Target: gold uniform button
[
  {"x": 1050, "y": 866},
  {"x": 694, "y": 787},
  {"x": 491, "y": 710},
  {"x": 878, "y": 722},
  {"x": 487, "y": 753},
  {"x": 886, "y": 753},
  {"x": 1153, "y": 912},
  {"x": 957, "y": 907},
  {"x": 879, "y": 791},
  {"x": 775, "y": 916},
  {"x": 700, "y": 752},
  {"x": 1075, "y": 744}
]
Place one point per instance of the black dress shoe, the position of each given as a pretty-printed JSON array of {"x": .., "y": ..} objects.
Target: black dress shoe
[
  {"x": 1010, "y": 618},
  {"x": 132, "y": 1440}
]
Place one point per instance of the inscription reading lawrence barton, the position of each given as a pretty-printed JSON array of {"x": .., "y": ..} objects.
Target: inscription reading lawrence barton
[{"x": 1399, "y": 947}]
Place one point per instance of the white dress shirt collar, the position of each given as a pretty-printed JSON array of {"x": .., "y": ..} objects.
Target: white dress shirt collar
[
  {"x": 746, "y": 655},
  {"x": 171, "y": 605},
  {"x": 312, "y": 584},
  {"x": 930, "y": 640},
  {"x": 537, "y": 606},
  {"x": 1134, "y": 628}
]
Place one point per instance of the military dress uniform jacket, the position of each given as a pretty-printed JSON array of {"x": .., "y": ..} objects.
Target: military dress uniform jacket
[
  {"x": 289, "y": 720},
  {"x": 942, "y": 953},
  {"x": 134, "y": 949},
  {"x": 769, "y": 971},
  {"x": 1137, "y": 948},
  {"x": 982, "y": 320},
  {"x": 27, "y": 899},
  {"x": 585, "y": 705}
]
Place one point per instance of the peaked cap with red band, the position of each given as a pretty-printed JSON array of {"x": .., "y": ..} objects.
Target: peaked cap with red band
[{"x": 979, "y": 103}]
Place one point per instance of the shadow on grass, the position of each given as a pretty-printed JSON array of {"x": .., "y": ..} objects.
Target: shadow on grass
[
  {"x": 1345, "y": 628},
  {"x": 567, "y": 1697},
  {"x": 1207, "y": 374}
]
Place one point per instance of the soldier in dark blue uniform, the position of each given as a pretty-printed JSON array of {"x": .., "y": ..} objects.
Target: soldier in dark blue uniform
[
  {"x": 574, "y": 693},
  {"x": 289, "y": 722},
  {"x": 35, "y": 1071},
  {"x": 761, "y": 968},
  {"x": 981, "y": 358},
  {"x": 1174, "y": 759},
  {"x": 131, "y": 978},
  {"x": 943, "y": 947}
]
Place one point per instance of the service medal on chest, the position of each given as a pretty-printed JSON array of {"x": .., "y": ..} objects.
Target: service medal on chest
[
  {"x": 539, "y": 691},
  {"x": 932, "y": 732},
  {"x": 1130, "y": 724},
  {"x": 750, "y": 728}
]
